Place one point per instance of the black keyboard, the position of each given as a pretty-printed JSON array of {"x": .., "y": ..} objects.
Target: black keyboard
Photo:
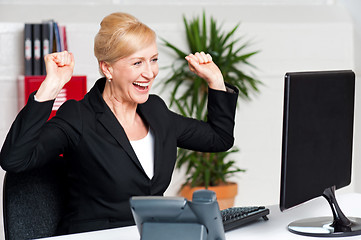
[{"x": 235, "y": 217}]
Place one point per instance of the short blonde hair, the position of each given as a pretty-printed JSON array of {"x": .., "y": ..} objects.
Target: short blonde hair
[{"x": 120, "y": 35}]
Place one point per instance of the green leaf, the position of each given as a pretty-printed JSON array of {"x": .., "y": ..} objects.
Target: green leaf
[{"x": 180, "y": 53}]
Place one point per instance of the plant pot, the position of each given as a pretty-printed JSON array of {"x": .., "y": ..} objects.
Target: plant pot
[{"x": 225, "y": 193}]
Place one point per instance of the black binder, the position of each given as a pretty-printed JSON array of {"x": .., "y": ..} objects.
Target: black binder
[
  {"x": 28, "y": 49},
  {"x": 47, "y": 42},
  {"x": 37, "y": 46}
]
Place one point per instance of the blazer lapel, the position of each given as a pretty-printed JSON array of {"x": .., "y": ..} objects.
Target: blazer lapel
[
  {"x": 147, "y": 115},
  {"x": 106, "y": 117},
  {"x": 109, "y": 121}
]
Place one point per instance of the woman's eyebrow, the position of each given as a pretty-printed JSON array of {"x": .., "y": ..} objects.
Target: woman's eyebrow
[{"x": 142, "y": 58}]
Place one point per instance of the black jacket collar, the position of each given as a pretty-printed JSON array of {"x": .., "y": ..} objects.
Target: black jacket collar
[{"x": 106, "y": 117}]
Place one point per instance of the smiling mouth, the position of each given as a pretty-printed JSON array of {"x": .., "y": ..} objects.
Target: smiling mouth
[{"x": 141, "y": 85}]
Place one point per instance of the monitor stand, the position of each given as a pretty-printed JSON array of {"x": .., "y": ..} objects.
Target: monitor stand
[{"x": 338, "y": 226}]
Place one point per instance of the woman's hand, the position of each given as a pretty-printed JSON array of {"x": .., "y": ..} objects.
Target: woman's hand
[
  {"x": 59, "y": 69},
  {"x": 202, "y": 65}
]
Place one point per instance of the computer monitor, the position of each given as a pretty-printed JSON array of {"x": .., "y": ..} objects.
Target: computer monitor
[
  {"x": 317, "y": 147},
  {"x": 177, "y": 218}
]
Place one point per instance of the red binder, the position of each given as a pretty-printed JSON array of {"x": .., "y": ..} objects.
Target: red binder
[{"x": 76, "y": 88}]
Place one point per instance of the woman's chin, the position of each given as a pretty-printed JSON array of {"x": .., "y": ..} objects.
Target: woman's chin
[{"x": 142, "y": 99}]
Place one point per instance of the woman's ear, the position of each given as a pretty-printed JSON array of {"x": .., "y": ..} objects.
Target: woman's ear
[{"x": 107, "y": 69}]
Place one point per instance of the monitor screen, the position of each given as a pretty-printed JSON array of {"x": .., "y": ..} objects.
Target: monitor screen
[
  {"x": 317, "y": 140},
  {"x": 317, "y": 134}
]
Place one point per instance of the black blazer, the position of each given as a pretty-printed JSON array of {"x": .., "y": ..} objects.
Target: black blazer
[{"x": 103, "y": 169}]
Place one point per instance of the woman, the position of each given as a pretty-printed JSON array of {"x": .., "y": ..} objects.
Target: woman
[{"x": 119, "y": 141}]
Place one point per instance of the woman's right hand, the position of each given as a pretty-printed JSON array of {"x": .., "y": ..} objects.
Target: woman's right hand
[{"x": 59, "y": 69}]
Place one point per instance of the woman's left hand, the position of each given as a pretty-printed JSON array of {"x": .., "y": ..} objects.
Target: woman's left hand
[{"x": 202, "y": 65}]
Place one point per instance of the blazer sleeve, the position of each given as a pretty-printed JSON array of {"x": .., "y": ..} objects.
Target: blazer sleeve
[
  {"x": 33, "y": 140},
  {"x": 216, "y": 134}
]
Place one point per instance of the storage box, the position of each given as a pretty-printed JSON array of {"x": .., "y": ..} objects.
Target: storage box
[{"x": 76, "y": 88}]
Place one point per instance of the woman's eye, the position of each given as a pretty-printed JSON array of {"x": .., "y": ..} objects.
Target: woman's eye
[
  {"x": 155, "y": 60},
  {"x": 137, "y": 63}
]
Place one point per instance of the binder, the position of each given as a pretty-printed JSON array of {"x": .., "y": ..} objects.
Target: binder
[
  {"x": 57, "y": 40},
  {"x": 28, "y": 46},
  {"x": 47, "y": 39},
  {"x": 63, "y": 38},
  {"x": 37, "y": 46}
]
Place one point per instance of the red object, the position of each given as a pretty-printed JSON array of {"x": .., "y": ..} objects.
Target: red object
[{"x": 76, "y": 88}]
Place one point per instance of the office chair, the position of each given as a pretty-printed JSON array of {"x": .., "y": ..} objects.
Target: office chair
[{"x": 34, "y": 201}]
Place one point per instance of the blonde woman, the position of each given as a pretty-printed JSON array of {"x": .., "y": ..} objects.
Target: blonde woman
[{"x": 119, "y": 141}]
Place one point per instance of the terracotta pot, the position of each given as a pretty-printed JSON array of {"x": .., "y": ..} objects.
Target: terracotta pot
[{"x": 225, "y": 193}]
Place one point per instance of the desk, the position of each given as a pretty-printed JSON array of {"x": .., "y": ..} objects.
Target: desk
[{"x": 275, "y": 228}]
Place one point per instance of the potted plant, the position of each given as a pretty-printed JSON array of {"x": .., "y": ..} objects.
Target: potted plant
[{"x": 189, "y": 95}]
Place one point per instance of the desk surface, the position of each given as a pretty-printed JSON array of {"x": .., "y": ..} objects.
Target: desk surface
[{"x": 275, "y": 228}]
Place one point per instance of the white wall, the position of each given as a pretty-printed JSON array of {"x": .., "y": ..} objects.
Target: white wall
[
  {"x": 293, "y": 35},
  {"x": 353, "y": 6}
]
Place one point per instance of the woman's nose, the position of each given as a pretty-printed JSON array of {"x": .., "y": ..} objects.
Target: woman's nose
[{"x": 150, "y": 71}]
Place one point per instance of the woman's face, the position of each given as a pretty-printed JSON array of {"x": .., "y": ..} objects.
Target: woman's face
[{"x": 133, "y": 76}]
